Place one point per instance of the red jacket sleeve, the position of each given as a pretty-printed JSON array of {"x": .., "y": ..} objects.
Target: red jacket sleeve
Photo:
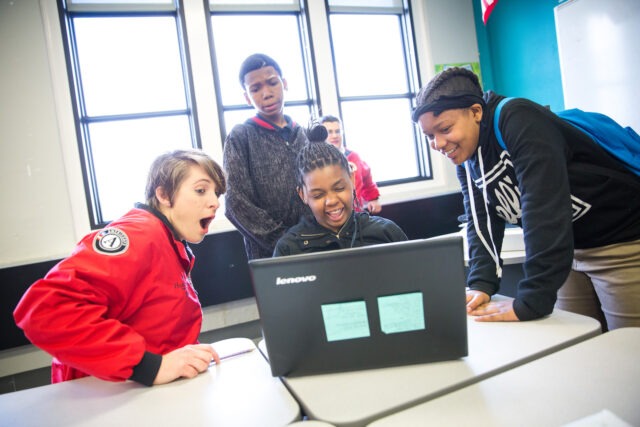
[
  {"x": 368, "y": 189},
  {"x": 73, "y": 314}
]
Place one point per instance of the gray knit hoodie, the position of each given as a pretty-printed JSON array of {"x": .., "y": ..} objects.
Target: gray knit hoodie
[{"x": 261, "y": 199}]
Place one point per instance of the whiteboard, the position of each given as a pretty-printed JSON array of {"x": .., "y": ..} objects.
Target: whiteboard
[{"x": 599, "y": 49}]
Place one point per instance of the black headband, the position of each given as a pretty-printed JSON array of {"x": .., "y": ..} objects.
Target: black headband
[{"x": 447, "y": 103}]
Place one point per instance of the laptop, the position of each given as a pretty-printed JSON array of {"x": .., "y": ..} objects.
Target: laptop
[{"x": 375, "y": 306}]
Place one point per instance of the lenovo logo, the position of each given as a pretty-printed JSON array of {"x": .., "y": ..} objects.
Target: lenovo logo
[{"x": 293, "y": 280}]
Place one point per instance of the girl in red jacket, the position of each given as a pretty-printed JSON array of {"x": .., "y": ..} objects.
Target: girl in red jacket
[{"x": 122, "y": 306}]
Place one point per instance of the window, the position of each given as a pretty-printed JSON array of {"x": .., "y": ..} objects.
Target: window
[
  {"x": 136, "y": 76},
  {"x": 132, "y": 96},
  {"x": 277, "y": 30},
  {"x": 372, "y": 63},
  {"x": 376, "y": 82}
]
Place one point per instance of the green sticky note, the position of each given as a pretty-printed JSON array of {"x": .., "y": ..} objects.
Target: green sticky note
[
  {"x": 401, "y": 313},
  {"x": 345, "y": 320}
]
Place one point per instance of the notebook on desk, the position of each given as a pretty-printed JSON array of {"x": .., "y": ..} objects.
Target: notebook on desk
[{"x": 369, "y": 307}]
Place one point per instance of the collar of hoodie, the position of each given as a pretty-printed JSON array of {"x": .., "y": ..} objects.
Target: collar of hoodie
[{"x": 345, "y": 230}]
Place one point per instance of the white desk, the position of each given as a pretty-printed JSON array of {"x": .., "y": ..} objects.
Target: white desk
[
  {"x": 238, "y": 392},
  {"x": 599, "y": 374},
  {"x": 357, "y": 398}
]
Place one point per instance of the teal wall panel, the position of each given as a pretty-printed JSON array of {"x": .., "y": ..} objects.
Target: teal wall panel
[{"x": 519, "y": 51}]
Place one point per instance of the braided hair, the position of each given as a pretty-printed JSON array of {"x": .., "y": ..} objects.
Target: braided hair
[
  {"x": 317, "y": 153},
  {"x": 455, "y": 87}
]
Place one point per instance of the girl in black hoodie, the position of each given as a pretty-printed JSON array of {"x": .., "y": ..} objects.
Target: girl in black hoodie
[{"x": 578, "y": 206}]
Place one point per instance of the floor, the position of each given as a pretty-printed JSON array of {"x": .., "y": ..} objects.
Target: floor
[{"x": 42, "y": 376}]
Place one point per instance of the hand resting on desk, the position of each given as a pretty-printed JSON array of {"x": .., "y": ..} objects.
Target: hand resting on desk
[
  {"x": 480, "y": 305},
  {"x": 185, "y": 362}
]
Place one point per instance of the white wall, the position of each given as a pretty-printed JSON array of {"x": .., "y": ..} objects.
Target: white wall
[
  {"x": 452, "y": 31},
  {"x": 599, "y": 57},
  {"x": 35, "y": 221}
]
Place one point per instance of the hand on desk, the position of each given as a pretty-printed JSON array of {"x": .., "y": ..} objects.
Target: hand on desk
[
  {"x": 480, "y": 305},
  {"x": 187, "y": 362}
]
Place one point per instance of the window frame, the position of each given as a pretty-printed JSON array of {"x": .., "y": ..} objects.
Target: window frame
[
  {"x": 68, "y": 11},
  {"x": 196, "y": 14},
  {"x": 306, "y": 47},
  {"x": 322, "y": 98},
  {"x": 401, "y": 9}
]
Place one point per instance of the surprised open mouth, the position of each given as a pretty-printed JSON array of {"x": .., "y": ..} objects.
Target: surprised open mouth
[{"x": 204, "y": 222}]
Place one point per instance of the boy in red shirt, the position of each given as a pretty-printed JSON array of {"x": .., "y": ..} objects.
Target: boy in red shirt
[{"x": 367, "y": 193}]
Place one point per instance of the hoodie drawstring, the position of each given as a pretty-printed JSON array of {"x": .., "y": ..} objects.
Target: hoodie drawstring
[
  {"x": 494, "y": 253},
  {"x": 355, "y": 231}
]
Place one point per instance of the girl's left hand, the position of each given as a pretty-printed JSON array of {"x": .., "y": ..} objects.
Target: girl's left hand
[{"x": 494, "y": 311}]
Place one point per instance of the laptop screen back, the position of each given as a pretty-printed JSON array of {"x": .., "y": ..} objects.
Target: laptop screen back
[{"x": 370, "y": 307}]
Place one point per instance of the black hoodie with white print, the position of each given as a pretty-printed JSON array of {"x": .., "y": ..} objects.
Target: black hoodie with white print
[{"x": 556, "y": 183}]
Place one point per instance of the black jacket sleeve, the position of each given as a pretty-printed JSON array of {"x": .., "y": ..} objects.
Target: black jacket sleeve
[{"x": 538, "y": 151}]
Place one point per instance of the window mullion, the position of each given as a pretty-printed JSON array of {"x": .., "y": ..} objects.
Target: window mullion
[
  {"x": 319, "y": 32},
  {"x": 195, "y": 17}
]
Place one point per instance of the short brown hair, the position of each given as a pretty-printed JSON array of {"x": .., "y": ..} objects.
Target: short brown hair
[
  {"x": 169, "y": 170},
  {"x": 330, "y": 119}
]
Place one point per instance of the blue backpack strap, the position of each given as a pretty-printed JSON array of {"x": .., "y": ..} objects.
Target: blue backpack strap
[{"x": 496, "y": 119}]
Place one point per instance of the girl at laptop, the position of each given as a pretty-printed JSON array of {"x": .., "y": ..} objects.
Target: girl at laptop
[
  {"x": 122, "y": 306},
  {"x": 325, "y": 184}
]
